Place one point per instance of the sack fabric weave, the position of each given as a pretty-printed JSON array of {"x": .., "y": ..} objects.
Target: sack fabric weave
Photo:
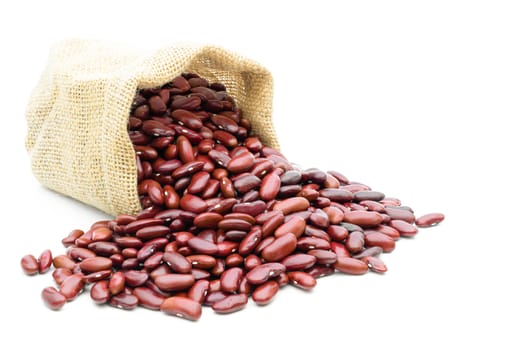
[{"x": 78, "y": 113}]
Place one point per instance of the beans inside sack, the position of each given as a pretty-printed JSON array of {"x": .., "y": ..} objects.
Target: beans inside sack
[{"x": 225, "y": 218}]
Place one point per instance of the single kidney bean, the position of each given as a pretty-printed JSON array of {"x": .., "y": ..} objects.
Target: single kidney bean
[
  {"x": 280, "y": 248},
  {"x": 231, "y": 279},
  {"x": 404, "y": 228},
  {"x": 375, "y": 264},
  {"x": 231, "y": 303},
  {"x": 262, "y": 273},
  {"x": 117, "y": 283},
  {"x": 182, "y": 307},
  {"x": 372, "y": 251},
  {"x": 295, "y": 225},
  {"x": 100, "y": 293},
  {"x": 174, "y": 282},
  {"x": 96, "y": 264},
  {"x": 350, "y": 265},
  {"x": 72, "y": 286},
  {"x": 60, "y": 274},
  {"x": 355, "y": 242},
  {"x": 363, "y": 218},
  {"x": 199, "y": 291},
  {"x": 265, "y": 292},
  {"x": 292, "y": 205},
  {"x": 318, "y": 271},
  {"x": 97, "y": 276},
  {"x": 52, "y": 298},
  {"x": 29, "y": 264},
  {"x": 379, "y": 239},
  {"x": 148, "y": 298},
  {"x": 302, "y": 280},
  {"x": 177, "y": 262},
  {"x": 324, "y": 257},
  {"x": 135, "y": 278},
  {"x": 400, "y": 214},
  {"x": 429, "y": 220},
  {"x": 124, "y": 301},
  {"x": 298, "y": 261}
]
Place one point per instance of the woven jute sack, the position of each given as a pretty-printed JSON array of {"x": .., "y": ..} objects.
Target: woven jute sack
[{"x": 77, "y": 115}]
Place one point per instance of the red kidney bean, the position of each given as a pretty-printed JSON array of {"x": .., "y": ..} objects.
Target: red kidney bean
[
  {"x": 202, "y": 246},
  {"x": 78, "y": 253},
  {"x": 135, "y": 278},
  {"x": 355, "y": 242},
  {"x": 389, "y": 231},
  {"x": 295, "y": 225},
  {"x": 337, "y": 194},
  {"x": 117, "y": 283},
  {"x": 404, "y": 228},
  {"x": 339, "y": 249},
  {"x": 174, "y": 282},
  {"x": 105, "y": 248},
  {"x": 337, "y": 233},
  {"x": 265, "y": 292},
  {"x": 182, "y": 307},
  {"x": 241, "y": 163},
  {"x": 272, "y": 223},
  {"x": 307, "y": 243},
  {"x": 372, "y": 251},
  {"x": 148, "y": 298},
  {"x": 62, "y": 261},
  {"x": 187, "y": 169},
  {"x": 324, "y": 257},
  {"x": 246, "y": 183},
  {"x": 262, "y": 273},
  {"x": 52, "y": 298},
  {"x": 202, "y": 261},
  {"x": 29, "y": 264},
  {"x": 100, "y": 293},
  {"x": 375, "y": 264},
  {"x": 60, "y": 274},
  {"x": 350, "y": 265},
  {"x": 72, "y": 286},
  {"x": 269, "y": 187},
  {"x": 302, "y": 280},
  {"x": 231, "y": 303},
  {"x": 70, "y": 239},
  {"x": 96, "y": 264},
  {"x": 292, "y": 205},
  {"x": 363, "y": 218},
  {"x": 373, "y": 239},
  {"x": 250, "y": 241},
  {"x": 429, "y": 220},
  {"x": 400, "y": 214},
  {"x": 199, "y": 291},
  {"x": 335, "y": 215},
  {"x": 251, "y": 261},
  {"x": 234, "y": 224},
  {"x": 311, "y": 231},
  {"x": 317, "y": 271},
  {"x": 124, "y": 301},
  {"x": 198, "y": 182},
  {"x": 280, "y": 248},
  {"x": 298, "y": 261},
  {"x": 234, "y": 260},
  {"x": 231, "y": 279},
  {"x": 177, "y": 262},
  {"x": 97, "y": 276}
]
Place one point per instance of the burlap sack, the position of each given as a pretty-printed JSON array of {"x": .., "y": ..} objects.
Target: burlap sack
[{"x": 77, "y": 115}]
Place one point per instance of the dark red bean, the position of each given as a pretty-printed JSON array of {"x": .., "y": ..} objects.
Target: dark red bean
[
  {"x": 60, "y": 274},
  {"x": 199, "y": 291},
  {"x": 177, "y": 262},
  {"x": 174, "y": 282},
  {"x": 72, "y": 286},
  {"x": 231, "y": 279},
  {"x": 262, "y": 273},
  {"x": 231, "y": 303},
  {"x": 324, "y": 257},
  {"x": 182, "y": 307},
  {"x": 295, "y": 225},
  {"x": 363, "y": 218},
  {"x": 404, "y": 228},
  {"x": 429, "y": 220},
  {"x": 350, "y": 266},
  {"x": 302, "y": 280},
  {"x": 124, "y": 301},
  {"x": 96, "y": 264},
  {"x": 52, "y": 298},
  {"x": 373, "y": 239},
  {"x": 280, "y": 248},
  {"x": 375, "y": 264},
  {"x": 148, "y": 298},
  {"x": 100, "y": 292},
  {"x": 298, "y": 261}
]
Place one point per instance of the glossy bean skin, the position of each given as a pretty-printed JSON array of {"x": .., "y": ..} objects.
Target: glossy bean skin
[
  {"x": 29, "y": 264},
  {"x": 148, "y": 298},
  {"x": 302, "y": 280},
  {"x": 182, "y": 307},
  {"x": 280, "y": 248},
  {"x": 231, "y": 303},
  {"x": 72, "y": 286},
  {"x": 52, "y": 298},
  {"x": 351, "y": 266},
  {"x": 100, "y": 293},
  {"x": 429, "y": 220},
  {"x": 45, "y": 260},
  {"x": 264, "y": 293}
]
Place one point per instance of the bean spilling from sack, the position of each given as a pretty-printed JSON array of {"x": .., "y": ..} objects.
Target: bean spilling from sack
[{"x": 225, "y": 218}]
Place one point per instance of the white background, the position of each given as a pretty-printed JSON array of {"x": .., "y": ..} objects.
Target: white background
[{"x": 423, "y": 100}]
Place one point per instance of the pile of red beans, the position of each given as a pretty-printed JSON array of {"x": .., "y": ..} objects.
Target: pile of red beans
[{"x": 225, "y": 217}]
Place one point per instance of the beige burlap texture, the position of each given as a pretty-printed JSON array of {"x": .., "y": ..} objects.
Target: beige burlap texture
[{"x": 78, "y": 113}]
